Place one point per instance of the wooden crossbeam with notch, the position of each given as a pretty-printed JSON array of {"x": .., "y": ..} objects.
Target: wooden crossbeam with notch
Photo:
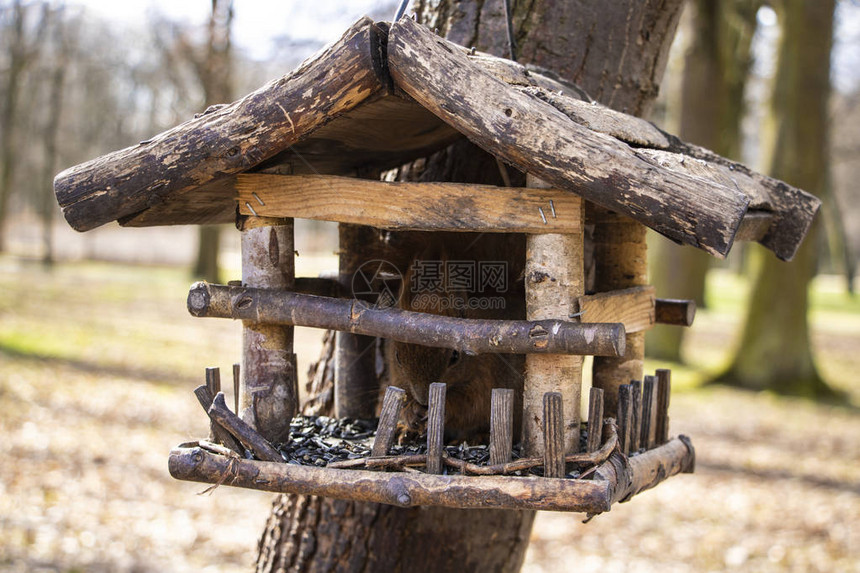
[
  {"x": 409, "y": 206},
  {"x": 633, "y": 307}
]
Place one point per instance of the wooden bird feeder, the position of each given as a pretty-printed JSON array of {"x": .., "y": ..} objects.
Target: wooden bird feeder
[{"x": 312, "y": 145}]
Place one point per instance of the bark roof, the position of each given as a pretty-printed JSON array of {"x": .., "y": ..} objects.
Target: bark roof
[{"x": 384, "y": 95}]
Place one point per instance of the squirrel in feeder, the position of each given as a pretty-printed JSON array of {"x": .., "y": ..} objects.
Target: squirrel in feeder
[{"x": 471, "y": 276}]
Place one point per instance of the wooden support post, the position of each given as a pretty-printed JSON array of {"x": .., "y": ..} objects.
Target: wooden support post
[
  {"x": 501, "y": 425},
  {"x": 649, "y": 400},
  {"x": 595, "y": 420},
  {"x": 553, "y": 435},
  {"x": 388, "y": 417},
  {"x": 636, "y": 415},
  {"x": 355, "y": 384},
  {"x": 213, "y": 384},
  {"x": 664, "y": 389},
  {"x": 269, "y": 395},
  {"x": 620, "y": 262},
  {"x": 435, "y": 427},
  {"x": 625, "y": 413},
  {"x": 554, "y": 281}
]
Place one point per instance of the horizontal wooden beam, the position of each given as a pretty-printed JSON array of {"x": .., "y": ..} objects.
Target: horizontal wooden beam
[
  {"x": 472, "y": 336},
  {"x": 227, "y": 139},
  {"x": 629, "y": 476},
  {"x": 755, "y": 226},
  {"x": 401, "y": 489},
  {"x": 615, "y": 480},
  {"x": 632, "y": 307},
  {"x": 674, "y": 312},
  {"x": 409, "y": 206}
]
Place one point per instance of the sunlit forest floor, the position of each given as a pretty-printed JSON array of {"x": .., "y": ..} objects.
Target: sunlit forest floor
[{"x": 97, "y": 364}]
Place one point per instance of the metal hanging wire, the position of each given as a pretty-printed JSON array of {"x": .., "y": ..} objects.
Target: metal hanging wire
[{"x": 401, "y": 10}]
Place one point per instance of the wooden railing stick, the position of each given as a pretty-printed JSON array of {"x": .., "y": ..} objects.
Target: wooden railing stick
[
  {"x": 664, "y": 389},
  {"x": 388, "y": 417},
  {"x": 501, "y": 425},
  {"x": 553, "y": 435},
  {"x": 636, "y": 415},
  {"x": 646, "y": 439},
  {"x": 435, "y": 427},
  {"x": 625, "y": 413},
  {"x": 595, "y": 419}
]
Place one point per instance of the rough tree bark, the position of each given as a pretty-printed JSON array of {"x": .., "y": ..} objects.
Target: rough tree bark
[
  {"x": 716, "y": 66},
  {"x": 775, "y": 352},
  {"x": 617, "y": 53}
]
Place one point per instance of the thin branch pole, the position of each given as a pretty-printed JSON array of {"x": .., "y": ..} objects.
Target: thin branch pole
[{"x": 472, "y": 336}]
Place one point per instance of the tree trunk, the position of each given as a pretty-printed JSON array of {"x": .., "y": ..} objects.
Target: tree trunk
[
  {"x": 47, "y": 203},
  {"x": 716, "y": 67},
  {"x": 215, "y": 73},
  {"x": 618, "y": 55},
  {"x": 775, "y": 351},
  {"x": 23, "y": 50}
]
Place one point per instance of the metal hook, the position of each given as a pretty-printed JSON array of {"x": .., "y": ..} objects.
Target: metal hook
[{"x": 401, "y": 10}]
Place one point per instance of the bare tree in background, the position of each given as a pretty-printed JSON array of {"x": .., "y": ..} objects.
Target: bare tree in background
[
  {"x": 23, "y": 40},
  {"x": 56, "y": 78},
  {"x": 716, "y": 67},
  {"x": 214, "y": 70},
  {"x": 776, "y": 351}
]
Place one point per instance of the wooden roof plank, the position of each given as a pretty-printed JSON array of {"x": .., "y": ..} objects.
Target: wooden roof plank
[
  {"x": 538, "y": 138},
  {"x": 793, "y": 209},
  {"x": 228, "y": 140}
]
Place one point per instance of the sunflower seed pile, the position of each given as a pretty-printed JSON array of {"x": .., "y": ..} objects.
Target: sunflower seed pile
[{"x": 320, "y": 440}]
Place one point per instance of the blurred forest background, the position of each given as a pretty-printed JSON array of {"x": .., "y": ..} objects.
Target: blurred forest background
[{"x": 98, "y": 355}]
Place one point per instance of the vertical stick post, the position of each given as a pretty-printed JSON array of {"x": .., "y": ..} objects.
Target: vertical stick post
[
  {"x": 269, "y": 389},
  {"x": 625, "y": 413},
  {"x": 213, "y": 384},
  {"x": 355, "y": 383},
  {"x": 435, "y": 427},
  {"x": 620, "y": 261},
  {"x": 501, "y": 425},
  {"x": 554, "y": 282},
  {"x": 553, "y": 435},
  {"x": 391, "y": 405},
  {"x": 237, "y": 377},
  {"x": 648, "y": 408},
  {"x": 595, "y": 420},
  {"x": 664, "y": 389},
  {"x": 636, "y": 416}
]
